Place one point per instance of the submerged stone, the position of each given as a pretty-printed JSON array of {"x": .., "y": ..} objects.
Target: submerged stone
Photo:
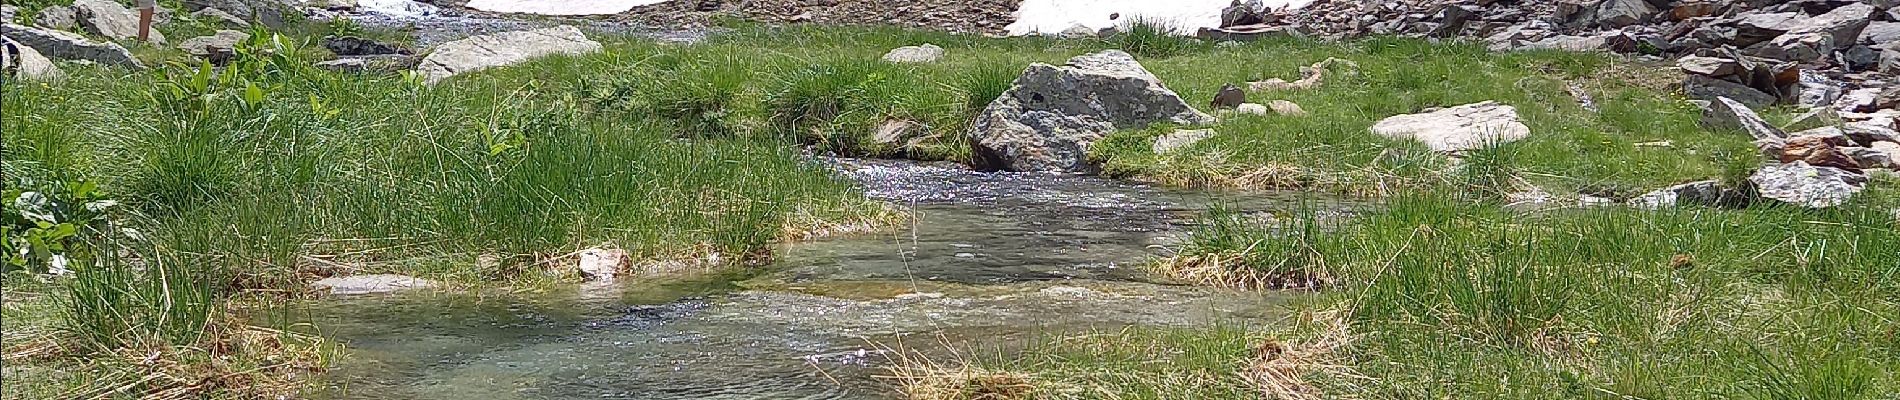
[{"x": 371, "y": 284}]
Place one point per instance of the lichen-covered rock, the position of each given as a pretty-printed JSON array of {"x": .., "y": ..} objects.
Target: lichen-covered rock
[
  {"x": 1051, "y": 115},
  {"x": 1460, "y": 128},
  {"x": 501, "y": 49},
  {"x": 1805, "y": 185}
]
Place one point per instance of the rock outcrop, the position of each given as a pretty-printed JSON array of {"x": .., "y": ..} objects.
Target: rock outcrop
[
  {"x": 501, "y": 49},
  {"x": 1051, "y": 115},
  {"x": 1805, "y": 185},
  {"x": 71, "y": 46}
]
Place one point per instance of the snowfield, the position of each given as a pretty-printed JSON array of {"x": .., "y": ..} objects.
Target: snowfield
[
  {"x": 1186, "y": 16},
  {"x": 560, "y": 7}
]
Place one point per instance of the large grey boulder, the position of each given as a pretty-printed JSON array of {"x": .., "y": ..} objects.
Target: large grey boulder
[
  {"x": 370, "y": 284},
  {"x": 21, "y": 62},
  {"x": 110, "y": 19},
  {"x": 1703, "y": 87},
  {"x": 501, "y": 49},
  {"x": 1760, "y": 27},
  {"x": 1051, "y": 115},
  {"x": 926, "y": 53},
  {"x": 71, "y": 46},
  {"x": 1880, "y": 33},
  {"x": 56, "y": 17},
  {"x": 1460, "y": 128},
  {"x": 1621, "y": 13},
  {"x": 1805, "y": 185},
  {"x": 1818, "y": 36},
  {"x": 219, "y": 48},
  {"x": 1726, "y": 113}
]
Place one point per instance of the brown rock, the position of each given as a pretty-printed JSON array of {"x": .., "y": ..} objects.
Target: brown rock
[{"x": 1817, "y": 151}]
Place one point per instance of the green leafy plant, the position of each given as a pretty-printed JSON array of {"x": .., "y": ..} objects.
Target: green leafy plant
[
  {"x": 344, "y": 26},
  {"x": 47, "y": 231},
  {"x": 696, "y": 95}
]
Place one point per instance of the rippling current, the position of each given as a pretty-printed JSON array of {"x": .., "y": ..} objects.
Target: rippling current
[{"x": 994, "y": 261}]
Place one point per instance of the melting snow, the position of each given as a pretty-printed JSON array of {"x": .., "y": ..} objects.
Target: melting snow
[
  {"x": 560, "y": 7},
  {"x": 1186, "y": 16},
  {"x": 397, "y": 8}
]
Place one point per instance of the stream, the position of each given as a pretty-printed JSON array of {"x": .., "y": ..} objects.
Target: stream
[{"x": 994, "y": 261}]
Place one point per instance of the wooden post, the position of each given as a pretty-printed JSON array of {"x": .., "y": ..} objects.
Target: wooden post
[{"x": 146, "y": 10}]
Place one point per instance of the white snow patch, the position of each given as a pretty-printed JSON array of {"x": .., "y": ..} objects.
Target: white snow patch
[
  {"x": 397, "y": 8},
  {"x": 560, "y": 7},
  {"x": 1186, "y": 16}
]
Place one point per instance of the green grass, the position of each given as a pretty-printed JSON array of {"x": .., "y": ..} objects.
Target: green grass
[
  {"x": 274, "y": 173},
  {"x": 1457, "y": 297}
]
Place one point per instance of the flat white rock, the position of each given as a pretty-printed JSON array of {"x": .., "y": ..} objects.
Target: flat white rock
[
  {"x": 1465, "y": 127},
  {"x": 371, "y": 284}
]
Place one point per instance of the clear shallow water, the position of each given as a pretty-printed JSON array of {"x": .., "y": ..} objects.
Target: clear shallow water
[{"x": 993, "y": 261}]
